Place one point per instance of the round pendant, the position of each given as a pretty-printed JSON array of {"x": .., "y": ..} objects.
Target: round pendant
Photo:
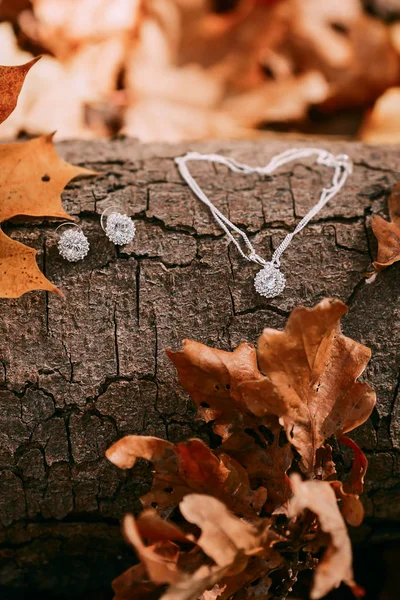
[{"x": 269, "y": 282}]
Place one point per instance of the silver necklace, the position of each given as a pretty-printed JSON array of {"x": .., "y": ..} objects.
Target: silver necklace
[{"x": 270, "y": 281}]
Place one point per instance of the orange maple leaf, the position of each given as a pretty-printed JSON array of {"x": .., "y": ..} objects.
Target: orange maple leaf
[
  {"x": 32, "y": 177},
  {"x": 19, "y": 272}
]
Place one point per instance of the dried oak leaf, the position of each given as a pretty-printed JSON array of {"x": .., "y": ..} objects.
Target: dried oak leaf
[
  {"x": 388, "y": 233},
  {"x": 19, "y": 272},
  {"x": 11, "y": 81},
  {"x": 336, "y": 563},
  {"x": 223, "y": 550},
  {"x": 223, "y": 535},
  {"x": 310, "y": 381},
  {"x": 350, "y": 505},
  {"x": 32, "y": 179},
  {"x": 213, "y": 377},
  {"x": 187, "y": 467}
]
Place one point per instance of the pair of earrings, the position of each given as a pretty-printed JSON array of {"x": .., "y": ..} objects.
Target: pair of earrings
[{"x": 73, "y": 244}]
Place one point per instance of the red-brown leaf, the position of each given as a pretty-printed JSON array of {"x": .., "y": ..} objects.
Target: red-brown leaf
[{"x": 188, "y": 467}]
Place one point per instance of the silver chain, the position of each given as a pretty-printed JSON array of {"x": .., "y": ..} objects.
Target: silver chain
[{"x": 341, "y": 163}]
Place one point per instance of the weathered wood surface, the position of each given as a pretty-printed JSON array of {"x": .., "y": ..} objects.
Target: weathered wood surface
[{"x": 75, "y": 375}]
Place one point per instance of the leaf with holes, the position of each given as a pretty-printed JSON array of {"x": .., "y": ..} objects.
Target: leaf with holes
[{"x": 187, "y": 467}]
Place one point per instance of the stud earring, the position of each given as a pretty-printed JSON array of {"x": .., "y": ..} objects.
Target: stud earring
[
  {"x": 119, "y": 228},
  {"x": 73, "y": 244}
]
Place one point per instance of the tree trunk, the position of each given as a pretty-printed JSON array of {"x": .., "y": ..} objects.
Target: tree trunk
[{"x": 79, "y": 373}]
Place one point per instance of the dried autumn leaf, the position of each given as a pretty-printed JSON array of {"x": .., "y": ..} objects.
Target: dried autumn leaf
[
  {"x": 388, "y": 233},
  {"x": 265, "y": 461},
  {"x": 19, "y": 272},
  {"x": 160, "y": 560},
  {"x": 220, "y": 374},
  {"x": 355, "y": 482},
  {"x": 228, "y": 541},
  {"x": 310, "y": 382},
  {"x": 186, "y": 467},
  {"x": 191, "y": 587},
  {"x": 11, "y": 81},
  {"x": 336, "y": 563},
  {"x": 32, "y": 178},
  {"x": 223, "y": 535},
  {"x": 134, "y": 581},
  {"x": 350, "y": 505}
]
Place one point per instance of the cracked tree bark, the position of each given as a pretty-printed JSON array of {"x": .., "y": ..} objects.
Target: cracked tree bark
[{"x": 75, "y": 375}]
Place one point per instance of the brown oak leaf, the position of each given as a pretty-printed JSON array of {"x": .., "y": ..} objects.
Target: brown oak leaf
[
  {"x": 32, "y": 178},
  {"x": 350, "y": 505},
  {"x": 220, "y": 374},
  {"x": 187, "y": 467},
  {"x": 388, "y": 233},
  {"x": 213, "y": 377},
  {"x": 310, "y": 381},
  {"x": 335, "y": 565},
  {"x": 228, "y": 552},
  {"x": 11, "y": 81},
  {"x": 223, "y": 535},
  {"x": 19, "y": 272}
]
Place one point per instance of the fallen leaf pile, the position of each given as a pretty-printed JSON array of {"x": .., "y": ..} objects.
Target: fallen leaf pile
[
  {"x": 192, "y": 69},
  {"x": 229, "y": 522},
  {"x": 32, "y": 177}
]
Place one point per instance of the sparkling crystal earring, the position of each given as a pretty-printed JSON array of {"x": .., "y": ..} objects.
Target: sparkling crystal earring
[
  {"x": 73, "y": 244},
  {"x": 119, "y": 228}
]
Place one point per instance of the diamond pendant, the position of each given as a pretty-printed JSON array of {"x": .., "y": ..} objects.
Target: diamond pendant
[{"x": 269, "y": 282}]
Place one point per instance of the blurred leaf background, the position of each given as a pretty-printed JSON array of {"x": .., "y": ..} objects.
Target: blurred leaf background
[{"x": 194, "y": 69}]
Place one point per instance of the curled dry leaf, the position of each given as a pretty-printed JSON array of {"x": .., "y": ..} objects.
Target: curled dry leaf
[
  {"x": 11, "y": 81},
  {"x": 237, "y": 552},
  {"x": 336, "y": 563},
  {"x": 388, "y": 233},
  {"x": 310, "y": 381},
  {"x": 19, "y": 272},
  {"x": 350, "y": 505},
  {"x": 185, "y": 467},
  {"x": 223, "y": 535},
  {"x": 355, "y": 482}
]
